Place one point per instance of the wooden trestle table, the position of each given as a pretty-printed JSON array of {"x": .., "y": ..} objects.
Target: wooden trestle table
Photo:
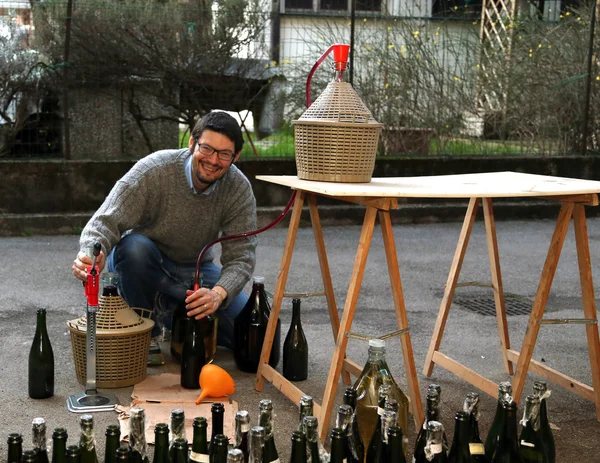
[{"x": 379, "y": 198}]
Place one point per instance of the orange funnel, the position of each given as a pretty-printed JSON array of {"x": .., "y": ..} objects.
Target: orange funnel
[{"x": 215, "y": 382}]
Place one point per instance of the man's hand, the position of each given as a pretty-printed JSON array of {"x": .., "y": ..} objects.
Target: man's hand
[
  {"x": 82, "y": 261},
  {"x": 204, "y": 301}
]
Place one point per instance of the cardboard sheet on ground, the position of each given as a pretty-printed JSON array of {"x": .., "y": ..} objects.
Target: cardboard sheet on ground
[{"x": 159, "y": 395}]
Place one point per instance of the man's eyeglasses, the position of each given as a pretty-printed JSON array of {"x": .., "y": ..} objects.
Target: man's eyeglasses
[{"x": 207, "y": 150}]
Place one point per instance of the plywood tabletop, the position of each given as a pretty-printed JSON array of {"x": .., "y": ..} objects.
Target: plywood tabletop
[{"x": 483, "y": 185}]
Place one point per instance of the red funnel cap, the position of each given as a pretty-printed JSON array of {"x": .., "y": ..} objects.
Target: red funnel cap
[{"x": 340, "y": 56}]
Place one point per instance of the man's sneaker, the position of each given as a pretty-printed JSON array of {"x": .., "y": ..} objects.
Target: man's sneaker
[{"x": 154, "y": 345}]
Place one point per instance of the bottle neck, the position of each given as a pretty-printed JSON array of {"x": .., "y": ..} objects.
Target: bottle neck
[
  {"x": 217, "y": 424},
  {"x": 40, "y": 328},
  {"x": 433, "y": 409},
  {"x": 296, "y": 314},
  {"x": 461, "y": 432},
  {"x": 199, "y": 444}
]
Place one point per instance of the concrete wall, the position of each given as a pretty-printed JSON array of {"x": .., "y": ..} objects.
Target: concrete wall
[{"x": 59, "y": 196}]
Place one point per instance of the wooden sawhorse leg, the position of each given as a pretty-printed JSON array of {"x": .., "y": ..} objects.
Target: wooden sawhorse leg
[{"x": 433, "y": 354}]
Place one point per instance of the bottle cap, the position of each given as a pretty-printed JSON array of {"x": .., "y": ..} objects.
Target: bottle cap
[
  {"x": 199, "y": 422},
  {"x": 377, "y": 343},
  {"x": 242, "y": 416},
  {"x": 113, "y": 430},
  {"x": 161, "y": 428},
  {"x": 258, "y": 279}
]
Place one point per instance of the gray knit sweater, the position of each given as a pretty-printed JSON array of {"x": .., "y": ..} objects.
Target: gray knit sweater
[{"x": 155, "y": 200}]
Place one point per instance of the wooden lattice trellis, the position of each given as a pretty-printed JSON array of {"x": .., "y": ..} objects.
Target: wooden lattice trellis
[{"x": 496, "y": 35}]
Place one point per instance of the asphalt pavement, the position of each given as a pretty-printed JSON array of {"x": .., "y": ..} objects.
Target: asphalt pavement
[{"x": 35, "y": 272}]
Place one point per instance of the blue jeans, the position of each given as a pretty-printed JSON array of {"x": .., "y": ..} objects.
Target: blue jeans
[{"x": 147, "y": 275}]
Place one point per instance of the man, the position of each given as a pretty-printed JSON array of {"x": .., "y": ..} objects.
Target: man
[{"x": 160, "y": 215}]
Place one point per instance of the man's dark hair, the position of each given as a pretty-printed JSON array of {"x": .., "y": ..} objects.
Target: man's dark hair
[{"x": 223, "y": 123}]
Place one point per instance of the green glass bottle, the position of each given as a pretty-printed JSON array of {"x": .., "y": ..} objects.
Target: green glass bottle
[
  {"x": 531, "y": 440},
  {"x": 314, "y": 450},
  {"x": 356, "y": 439},
  {"x": 29, "y": 456},
  {"x": 217, "y": 411},
  {"x": 161, "y": 443},
  {"x": 112, "y": 443},
  {"x": 265, "y": 409},
  {"x": 179, "y": 449},
  {"x": 256, "y": 444},
  {"x": 220, "y": 448},
  {"x": 541, "y": 390},
  {"x": 137, "y": 435},
  {"x": 193, "y": 355},
  {"x": 493, "y": 437},
  {"x": 199, "y": 453},
  {"x": 338, "y": 446},
  {"x": 306, "y": 408},
  {"x": 87, "y": 441},
  {"x": 375, "y": 374},
  {"x": 295, "y": 348},
  {"x": 177, "y": 430},
  {"x": 476, "y": 447},
  {"x": 459, "y": 452},
  {"x": 435, "y": 451},
  {"x": 123, "y": 454},
  {"x": 38, "y": 434},
  {"x": 298, "y": 448},
  {"x": 41, "y": 361},
  {"x": 507, "y": 450},
  {"x": 374, "y": 451},
  {"x": 432, "y": 413},
  {"x": 235, "y": 456},
  {"x": 73, "y": 454},
  {"x": 396, "y": 445},
  {"x": 387, "y": 421},
  {"x": 344, "y": 421},
  {"x": 59, "y": 445},
  {"x": 242, "y": 427}
]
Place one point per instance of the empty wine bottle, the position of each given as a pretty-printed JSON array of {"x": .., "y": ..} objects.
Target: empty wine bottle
[
  {"x": 338, "y": 446},
  {"x": 493, "y": 437},
  {"x": 15, "y": 447},
  {"x": 137, "y": 435},
  {"x": 199, "y": 453},
  {"x": 476, "y": 447},
  {"x": 432, "y": 413},
  {"x": 531, "y": 439},
  {"x": 507, "y": 450},
  {"x": 387, "y": 421},
  {"x": 541, "y": 390},
  {"x": 376, "y": 373},
  {"x": 295, "y": 348},
  {"x": 298, "y": 448},
  {"x": 250, "y": 327},
  {"x": 344, "y": 421},
  {"x": 73, "y": 454},
  {"x": 357, "y": 442},
  {"x": 161, "y": 443},
  {"x": 38, "y": 437},
  {"x": 179, "y": 450},
  {"x": 385, "y": 403},
  {"x": 112, "y": 443},
  {"x": 314, "y": 450},
  {"x": 306, "y": 408},
  {"x": 87, "y": 441},
  {"x": 219, "y": 450},
  {"x": 242, "y": 427},
  {"x": 217, "y": 411},
  {"x": 459, "y": 452},
  {"x": 256, "y": 444},
  {"x": 41, "y": 361},
  {"x": 59, "y": 445},
  {"x": 396, "y": 445},
  {"x": 235, "y": 456},
  {"x": 123, "y": 454},
  {"x": 434, "y": 448},
  {"x": 193, "y": 355},
  {"x": 265, "y": 409},
  {"x": 177, "y": 430},
  {"x": 29, "y": 456}
]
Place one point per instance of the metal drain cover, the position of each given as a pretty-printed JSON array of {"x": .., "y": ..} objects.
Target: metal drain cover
[{"x": 485, "y": 305}]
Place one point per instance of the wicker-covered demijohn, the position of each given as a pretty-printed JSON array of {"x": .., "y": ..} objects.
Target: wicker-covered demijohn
[
  {"x": 123, "y": 342},
  {"x": 336, "y": 138}
]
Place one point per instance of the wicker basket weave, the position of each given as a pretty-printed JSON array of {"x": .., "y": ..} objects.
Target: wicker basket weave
[
  {"x": 123, "y": 342},
  {"x": 336, "y": 138}
]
